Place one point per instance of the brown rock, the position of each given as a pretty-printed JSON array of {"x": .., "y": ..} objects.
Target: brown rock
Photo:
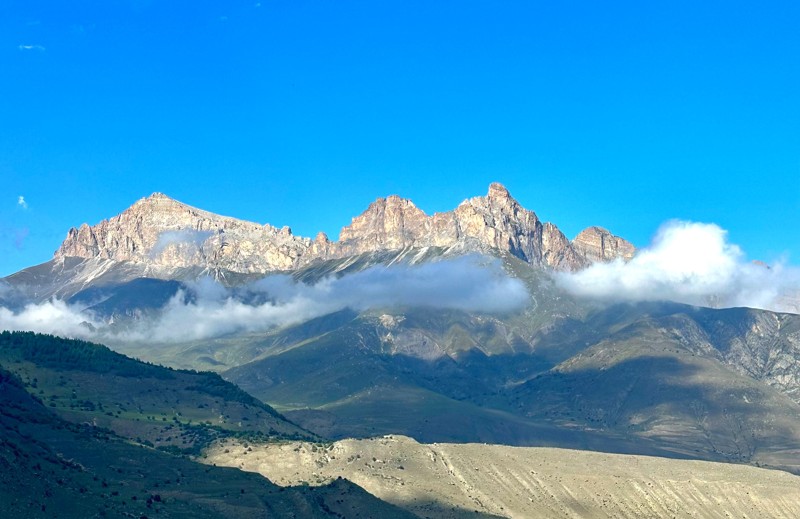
[
  {"x": 597, "y": 244},
  {"x": 387, "y": 224}
]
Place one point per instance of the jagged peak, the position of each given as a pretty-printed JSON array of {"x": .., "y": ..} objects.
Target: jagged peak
[
  {"x": 593, "y": 230},
  {"x": 497, "y": 196},
  {"x": 393, "y": 200},
  {"x": 498, "y": 191},
  {"x": 598, "y": 243}
]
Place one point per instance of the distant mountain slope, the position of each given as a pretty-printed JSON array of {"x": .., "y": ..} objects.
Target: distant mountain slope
[
  {"x": 647, "y": 382},
  {"x": 50, "y": 467},
  {"x": 649, "y": 378}
]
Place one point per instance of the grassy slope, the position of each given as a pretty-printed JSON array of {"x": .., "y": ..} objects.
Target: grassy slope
[
  {"x": 53, "y": 468},
  {"x": 157, "y": 406}
]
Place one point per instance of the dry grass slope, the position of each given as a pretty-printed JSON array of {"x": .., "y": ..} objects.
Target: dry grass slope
[{"x": 458, "y": 480}]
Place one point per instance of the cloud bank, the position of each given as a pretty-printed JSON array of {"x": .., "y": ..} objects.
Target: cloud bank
[
  {"x": 690, "y": 263},
  {"x": 205, "y": 309}
]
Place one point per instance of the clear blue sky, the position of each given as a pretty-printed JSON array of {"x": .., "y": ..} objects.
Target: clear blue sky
[{"x": 619, "y": 114}]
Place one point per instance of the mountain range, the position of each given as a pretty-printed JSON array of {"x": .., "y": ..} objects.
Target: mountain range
[
  {"x": 451, "y": 327},
  {"x": 163, "y": 232}
]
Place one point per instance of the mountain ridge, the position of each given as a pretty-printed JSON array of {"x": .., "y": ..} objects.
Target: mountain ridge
[{"x": 165, "y": 233}]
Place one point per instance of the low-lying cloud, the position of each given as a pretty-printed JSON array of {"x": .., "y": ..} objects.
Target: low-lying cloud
[
  {"x": 690, "y": 263},
  {"x": 54, "y": 317},
  {"x": 182, "y": 236},
  {"x": 206, "y": 310}
]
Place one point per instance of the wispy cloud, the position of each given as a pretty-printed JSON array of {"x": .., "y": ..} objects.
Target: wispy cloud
[
  {"x": 205, "y": 309},
  {"x": 21, "y": 202},
  {"x": 691, "y": 263},
  {"x": 182, "y": 237},
  {"x": 55, "y": 317},
  {"x": 36, "y": 48}
]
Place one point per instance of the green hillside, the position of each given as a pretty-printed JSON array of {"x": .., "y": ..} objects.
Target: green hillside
[
  {"x": 50, "y": 467},
  {"x": 156, "y": 406}
]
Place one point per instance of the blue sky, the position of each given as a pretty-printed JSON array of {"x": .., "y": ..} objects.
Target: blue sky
[{"x": 619, "y": 114}]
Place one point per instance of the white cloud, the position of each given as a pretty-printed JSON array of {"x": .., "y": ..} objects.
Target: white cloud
[
  {"x": 690, "y": 263},
  {"x": 21, "y": 202},
  {"x": 37, "y": 48},
  {"x": 207, "y": 310},
  {"x": 54, "y": 317},
  {"x": 467, "y": 283}
]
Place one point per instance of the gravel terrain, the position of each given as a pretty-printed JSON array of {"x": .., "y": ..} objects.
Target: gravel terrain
[{"x": 458, "y": 480}]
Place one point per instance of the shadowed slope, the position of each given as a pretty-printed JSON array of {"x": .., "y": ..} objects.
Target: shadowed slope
[{"x": 53, "y": 468}]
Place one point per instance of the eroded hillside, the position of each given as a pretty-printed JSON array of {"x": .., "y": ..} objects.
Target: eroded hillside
[{"x": 469, "y": 480}]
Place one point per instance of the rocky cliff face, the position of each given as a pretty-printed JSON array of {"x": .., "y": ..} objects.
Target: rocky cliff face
[
  {"x": 495, "y": 221},
  {"x": 597, "y": 244},
  {"x": 163, "y": 232}
]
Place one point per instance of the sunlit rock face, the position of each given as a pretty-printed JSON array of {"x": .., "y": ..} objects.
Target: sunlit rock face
[
  {"x": 163, "y": 232},
  {"x": 495, "y": 221},
  {"x": 597, "y": 244}
]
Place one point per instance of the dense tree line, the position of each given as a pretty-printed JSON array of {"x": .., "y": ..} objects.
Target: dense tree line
[{"x": 59, "y": 353}]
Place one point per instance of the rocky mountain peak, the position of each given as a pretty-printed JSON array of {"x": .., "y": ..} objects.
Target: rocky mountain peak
[
  {"x": 598, "y": 244},
  {"x": 388, "y": 223},
  {"x": 156, "y": 200},
  {"x": 157, "y": 196},
  {"x": 498, "y": 191},
  {"x": 163, "y": 232}
]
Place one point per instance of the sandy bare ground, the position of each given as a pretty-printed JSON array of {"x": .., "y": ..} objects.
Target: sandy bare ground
[{"x": 457, "y": 480}]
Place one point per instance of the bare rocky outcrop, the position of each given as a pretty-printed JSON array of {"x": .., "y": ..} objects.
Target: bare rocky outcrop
[
  {"x": 597, "y": 244},
  {"x": 496, "y": 221},
  {"x": 163, "y": 232},
  {"x": 387, "y": 224}
]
